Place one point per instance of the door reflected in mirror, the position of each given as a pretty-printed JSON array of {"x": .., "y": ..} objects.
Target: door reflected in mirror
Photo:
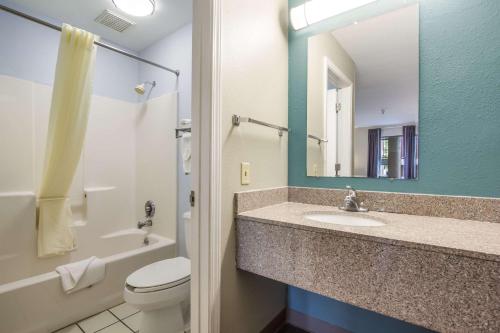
[{"x": 362, "y": 98}]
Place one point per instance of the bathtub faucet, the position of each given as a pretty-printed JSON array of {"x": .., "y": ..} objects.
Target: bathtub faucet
[
  {"x": 145, "y": 223},
  {"x": 149, "y": 209}
]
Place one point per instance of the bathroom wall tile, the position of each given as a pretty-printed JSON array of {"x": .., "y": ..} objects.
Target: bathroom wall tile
[
  {"x": 248, "y": 200},
  {"x": 315, "y": 196},
  {"x": 123, "y": 310},
  {"x": 70, "y": 329},
  {"x": 465, "y": 208},
  {"x": 116, "y": 328},
  {"x": 97, "y": 322},
  {"x": 133, "y": 321}
]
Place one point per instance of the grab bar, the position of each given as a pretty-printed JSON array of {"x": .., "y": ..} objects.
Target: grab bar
[
  {"x": 314, "y": 137},
  {"x": 238, "y": 119}
]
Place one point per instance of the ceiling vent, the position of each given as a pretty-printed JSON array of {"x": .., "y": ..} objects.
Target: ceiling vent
[{"x": 114, "y": 21}]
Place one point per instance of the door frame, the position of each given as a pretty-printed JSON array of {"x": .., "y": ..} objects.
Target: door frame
[
  {"x": 206, "y": 176},
  {"x": 344, "y": 82}
]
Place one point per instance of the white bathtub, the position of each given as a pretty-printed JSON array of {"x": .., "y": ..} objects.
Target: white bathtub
[{"x": 31, "y": 296}]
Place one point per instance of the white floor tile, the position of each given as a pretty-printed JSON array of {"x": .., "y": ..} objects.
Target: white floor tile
[
  {"x": 95, "y": 323},
  {"x": 134, "y": 321},
  {"x": 70, "y": 329},
  {"x": 123, "y": 310},
  {"x": 116, "y": 328}
]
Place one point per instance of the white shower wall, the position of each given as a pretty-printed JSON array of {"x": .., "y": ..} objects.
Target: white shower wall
[
  {"x": 174, "y": 50},
  {"x": 156, "y": 161},
  {"x": 130, "y": 153}
]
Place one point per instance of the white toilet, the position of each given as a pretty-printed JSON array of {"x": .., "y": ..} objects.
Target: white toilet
[{"x": 161, "y": 291}]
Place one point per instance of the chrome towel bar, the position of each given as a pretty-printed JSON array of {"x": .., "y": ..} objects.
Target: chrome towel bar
[
  {"x": 314, "y": 137},
  {"x": 238, "y": 119}
]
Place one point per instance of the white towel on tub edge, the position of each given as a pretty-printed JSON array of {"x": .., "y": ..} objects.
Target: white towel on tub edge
[{"x": 81, "y": 274}]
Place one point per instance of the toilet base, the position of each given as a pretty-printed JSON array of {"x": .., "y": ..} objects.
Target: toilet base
[{"x": 164, "y": 320}]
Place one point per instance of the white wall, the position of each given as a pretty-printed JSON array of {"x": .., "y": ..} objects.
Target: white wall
[
  {"x": 29, "y": 52},
  {"x": 174, "y": 51},
  {"x": 319, "y": 47},
  {"x": 156, "y": 169},
  {"x": 254, "y": 76},
  {"x": 121, "y": 155},
  {"x": 17, "y": 131},
  {"x": 361, "y": 152},
  {"x": 115, "y": 77}
]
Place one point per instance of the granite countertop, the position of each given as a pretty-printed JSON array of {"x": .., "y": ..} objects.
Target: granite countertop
[{"x": 459, "y": 237}]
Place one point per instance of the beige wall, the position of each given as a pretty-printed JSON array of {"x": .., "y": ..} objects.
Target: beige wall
[
  {"x": 254, "y": 83},
  {"x": 320, "y": 46}
]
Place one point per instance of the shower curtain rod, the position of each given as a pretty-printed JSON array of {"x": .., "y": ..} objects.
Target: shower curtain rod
[{"x": 106, "y": 46}]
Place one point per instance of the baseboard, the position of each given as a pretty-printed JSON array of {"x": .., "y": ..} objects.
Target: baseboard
[
  {"x": 311, "y": 324},
  {"x": 278, "y": 321}
]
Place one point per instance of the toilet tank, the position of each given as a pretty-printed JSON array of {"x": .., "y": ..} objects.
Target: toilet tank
[{"x": 186, "y": 217}]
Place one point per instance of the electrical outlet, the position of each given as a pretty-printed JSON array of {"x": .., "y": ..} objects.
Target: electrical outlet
[{"x": 245, "y": 173}]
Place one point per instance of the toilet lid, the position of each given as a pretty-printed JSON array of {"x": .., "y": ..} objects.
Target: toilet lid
[{"x": 160, "y": 273}]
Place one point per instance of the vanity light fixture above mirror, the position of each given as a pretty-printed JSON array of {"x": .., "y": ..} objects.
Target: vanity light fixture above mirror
[{"x": 313, "y": 11}]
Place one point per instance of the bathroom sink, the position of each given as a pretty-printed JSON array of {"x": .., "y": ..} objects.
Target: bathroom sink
[{"x": 349, "y": 220}]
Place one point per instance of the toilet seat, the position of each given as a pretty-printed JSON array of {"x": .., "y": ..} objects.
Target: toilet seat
[{"x": 160, "y": 275}]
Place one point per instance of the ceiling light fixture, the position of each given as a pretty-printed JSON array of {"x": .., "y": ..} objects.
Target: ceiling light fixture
[
  {"x": 314, "y": 11},
  {"x": 136, "y": 7}
]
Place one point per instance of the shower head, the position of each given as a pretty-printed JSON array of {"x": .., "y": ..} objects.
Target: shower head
[{"x": 141, "y": 88}]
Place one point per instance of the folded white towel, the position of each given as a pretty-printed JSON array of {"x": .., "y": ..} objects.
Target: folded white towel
[
  {"x": 81, "y": 274},
  {"x": 186, "y": 152}
]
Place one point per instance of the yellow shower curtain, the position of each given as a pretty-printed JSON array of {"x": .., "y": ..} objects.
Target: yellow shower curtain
[{"x": 67, "y": 126}]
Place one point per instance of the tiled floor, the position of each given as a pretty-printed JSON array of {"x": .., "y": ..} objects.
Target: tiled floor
[{"x": 120, "y": 319}]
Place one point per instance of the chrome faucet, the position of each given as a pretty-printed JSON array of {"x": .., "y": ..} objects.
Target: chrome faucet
[
  {"x": 351, "y": 202},
  {"x": 149, "y": 208},
  {"x": 147, "y": 222}
]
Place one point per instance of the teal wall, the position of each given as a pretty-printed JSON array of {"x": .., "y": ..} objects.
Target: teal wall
[
  {"x": 459, "y": 99},
  {"x": 459, "y": 123},
  {"x": 347, "y": 316}
]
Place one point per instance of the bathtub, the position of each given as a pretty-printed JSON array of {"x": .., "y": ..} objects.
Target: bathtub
[{"x": 31, "y": 296}]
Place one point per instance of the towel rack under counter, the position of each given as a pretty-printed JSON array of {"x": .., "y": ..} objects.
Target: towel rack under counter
[
  {"x": 237, "y": 120},
  {"x": 314, "y": 137}
]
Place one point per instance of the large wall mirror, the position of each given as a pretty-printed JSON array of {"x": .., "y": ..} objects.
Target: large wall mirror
[{"x": 362, "y": 98}]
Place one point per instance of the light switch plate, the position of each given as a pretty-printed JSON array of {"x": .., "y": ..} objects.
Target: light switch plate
[{"x": 245, "y": 173}]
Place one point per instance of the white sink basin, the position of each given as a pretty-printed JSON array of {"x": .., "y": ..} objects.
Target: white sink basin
[{"x": 349, "y": 220}]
